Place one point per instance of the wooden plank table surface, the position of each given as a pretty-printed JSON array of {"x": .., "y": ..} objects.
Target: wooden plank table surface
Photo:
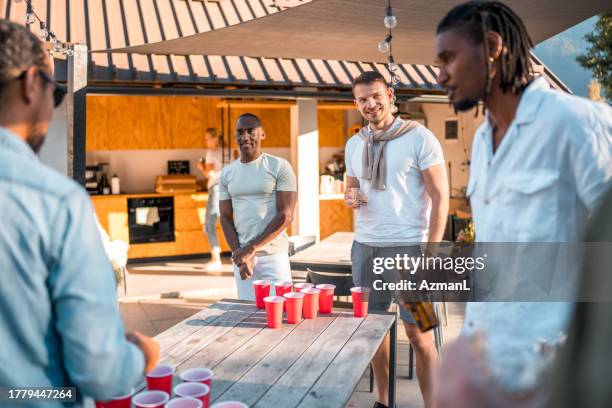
[
  {"x": 332, "y": 254},
  {"x": 316, "y": 363}
]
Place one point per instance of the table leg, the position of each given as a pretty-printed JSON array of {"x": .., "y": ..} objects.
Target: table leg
[{"x": 392, "y": 363}]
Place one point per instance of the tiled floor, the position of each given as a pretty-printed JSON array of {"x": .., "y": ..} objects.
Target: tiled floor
[{"x": 187, "y": 288}]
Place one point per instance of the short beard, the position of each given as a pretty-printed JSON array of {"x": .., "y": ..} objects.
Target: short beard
[
  {"x": 35, "y": 141},
  {"x": 465, "y": 105}
]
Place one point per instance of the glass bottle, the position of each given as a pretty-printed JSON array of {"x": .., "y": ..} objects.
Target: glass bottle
[{"x": 105, "y": 188}]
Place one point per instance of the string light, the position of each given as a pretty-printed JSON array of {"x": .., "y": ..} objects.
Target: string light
[
  {"x": 42, "y": 32},
  {"x": 385, "y": 46},
  {"x": 393, "y": 67},
  {"x": 390, "y": 20},
  {"x": 58, "y": 47}
]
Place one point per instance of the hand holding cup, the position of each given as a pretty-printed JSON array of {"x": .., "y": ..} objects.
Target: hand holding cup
[
  {"x": 148, "y": 346},
  {"x": 354, "y": 197}
]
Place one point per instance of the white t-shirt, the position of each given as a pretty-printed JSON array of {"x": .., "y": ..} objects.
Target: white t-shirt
[
  {"x": 252, "y": 188},
  {"x": 214, "y": 157},
  {"x": 400, "y": 213}
]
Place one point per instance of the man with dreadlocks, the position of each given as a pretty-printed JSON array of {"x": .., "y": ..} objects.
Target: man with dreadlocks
[{"x": 541, "y": 162}]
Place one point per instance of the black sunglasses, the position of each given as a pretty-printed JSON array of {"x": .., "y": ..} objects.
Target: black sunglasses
[{"x": 59, "y": 91}]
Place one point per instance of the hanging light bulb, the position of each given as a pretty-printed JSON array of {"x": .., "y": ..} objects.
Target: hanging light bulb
[
  {"x": 29, "y": 19},
  {"x": 69, "y": 51},
  {"x": 385, "y": 45},
  {"x": 390, "y": 20},
  {"x": 43, "y": 33},
  {"x": 393, "y": 67},
  {"x": 57, "y": 46}
]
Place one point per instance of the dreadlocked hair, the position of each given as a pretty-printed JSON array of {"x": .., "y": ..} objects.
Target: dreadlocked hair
[{"x": 475, "y": 19}]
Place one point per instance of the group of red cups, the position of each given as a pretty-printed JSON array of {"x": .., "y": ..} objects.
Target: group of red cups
[
  {"x": 193, "y": 392},
  {"x": 302, "y": 300}
]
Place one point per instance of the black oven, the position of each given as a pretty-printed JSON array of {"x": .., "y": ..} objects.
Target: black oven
[{"x": 151, "y": 219}]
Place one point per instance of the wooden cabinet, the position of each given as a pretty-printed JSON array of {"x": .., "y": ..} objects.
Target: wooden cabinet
[
  {"x": 332, "y": 127},
  {"x": 334, "y": 216},
  {"x": 276, "y": 123},
  {"x": 121, "y": 122},
  {"x": 189, "y": 216}
]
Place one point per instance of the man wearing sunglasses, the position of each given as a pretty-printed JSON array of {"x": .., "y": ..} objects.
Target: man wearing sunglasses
[{"x": 59, "y": 321}]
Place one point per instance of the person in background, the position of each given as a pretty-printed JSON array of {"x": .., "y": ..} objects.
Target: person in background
[
  {"x": 398, "y": 167},
  {"x": 541, "y": 163},
  {"x": 211, "y": 169},
  {"x": 59, "y": 321},
  {"x": 257, "y": 197}
]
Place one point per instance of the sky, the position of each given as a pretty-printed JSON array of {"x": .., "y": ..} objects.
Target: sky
[{"x": 559, "y": 54}]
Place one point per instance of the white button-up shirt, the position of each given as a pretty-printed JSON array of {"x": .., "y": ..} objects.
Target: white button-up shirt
[{"x": 550, "y": 171}]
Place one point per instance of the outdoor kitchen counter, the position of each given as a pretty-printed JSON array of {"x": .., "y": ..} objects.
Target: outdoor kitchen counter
[{"x": 189, "y": 216}]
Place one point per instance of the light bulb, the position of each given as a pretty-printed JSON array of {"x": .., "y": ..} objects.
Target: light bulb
[
  {"x": 57, "y": 46},
  {"x": 29, "y": 19},
  {"x": 43, "y": 34},
  {"x": 383, "y": 46},
  {"x": 393, "y": 67},
  {"x": 69, "y": 52},
  {"x": 390, "y": 21}
]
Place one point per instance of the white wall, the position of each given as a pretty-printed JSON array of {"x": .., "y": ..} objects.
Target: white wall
[
  {"x": 456, "y": 152},
  {"x": 137, "y": 169},
  {"x": 54, "y": 151}
]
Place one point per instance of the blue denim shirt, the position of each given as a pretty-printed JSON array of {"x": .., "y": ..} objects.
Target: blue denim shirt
[{"x": 59, "y": 318}]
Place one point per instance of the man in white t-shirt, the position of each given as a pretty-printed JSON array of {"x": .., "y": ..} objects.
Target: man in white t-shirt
[
  {"x": 399, "y": 168},
  {"x": 257, "y": 196}
]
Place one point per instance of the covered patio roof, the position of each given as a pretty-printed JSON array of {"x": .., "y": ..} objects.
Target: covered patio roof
[
  {"x": 116, "y": 24},
  {"x": 351, "y": 29}
]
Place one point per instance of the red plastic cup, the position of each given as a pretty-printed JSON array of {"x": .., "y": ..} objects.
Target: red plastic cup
[
  {"x": 201, "y": 375},
  {"x": 161, "y": 378},
  {"x": 274, "y": 311},
  {"x": 294, "y": 302},
  {"x": 195, "y": 390},
  {"x": 303, "y": 285},
  {"x": 280, "y": 288},
  {"x": 360, "y": 300},
  {"x": 262, "y": 290},
  {"x": 326, "y": 297},
  {"x": 185, "y": 402},
  {"x": 124, "y": 401},
  {"x": 230, "y": 404},
  {"x": 311, "y": 302},
  {"x": 151, "y": 399}
]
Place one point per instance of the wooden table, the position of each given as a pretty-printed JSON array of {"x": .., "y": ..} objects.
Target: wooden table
[
  {"x": 317, "y": 363},
  {"x": 333, "y": 254}
]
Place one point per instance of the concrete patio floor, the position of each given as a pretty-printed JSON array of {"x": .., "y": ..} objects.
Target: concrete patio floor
[{"x": 160, "y": 295}]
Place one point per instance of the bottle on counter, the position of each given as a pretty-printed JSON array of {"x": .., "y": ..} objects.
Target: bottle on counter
[
  {"x": 115, "y": 184},
  {"x": 105, "y": 188}
]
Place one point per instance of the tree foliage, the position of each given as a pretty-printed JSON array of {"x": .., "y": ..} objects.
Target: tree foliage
[{"x": 598, "y": 57}]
